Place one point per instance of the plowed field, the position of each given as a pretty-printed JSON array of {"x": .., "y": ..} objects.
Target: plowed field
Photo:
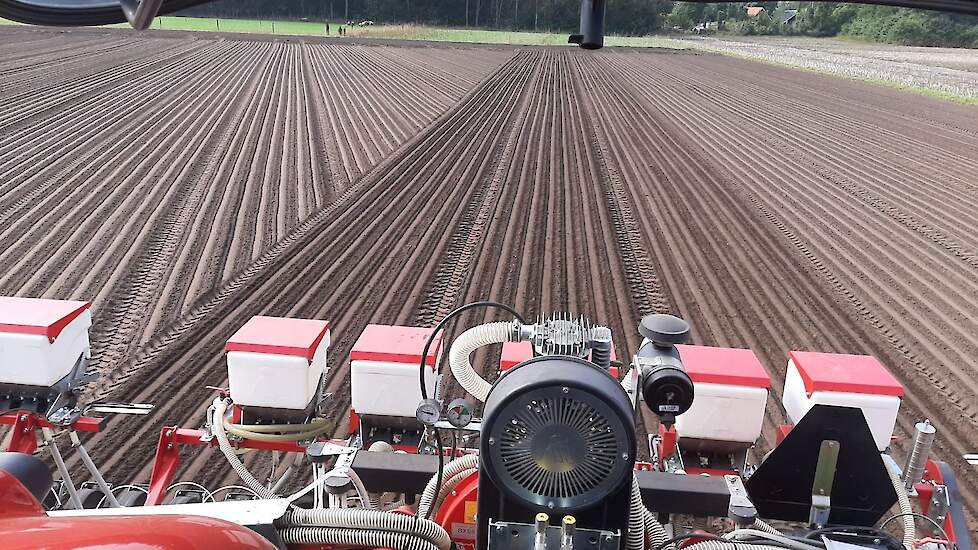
[{"x": 184, "y": 185}]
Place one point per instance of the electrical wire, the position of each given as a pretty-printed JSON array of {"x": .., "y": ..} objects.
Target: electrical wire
[
  {"x": 781, "y": 540},
  {"x": 449, "y": 317},
  {"x": 438, "y": 474},
  {"x": 439, "y": 448},
  {"x": 916, "y": 515}
]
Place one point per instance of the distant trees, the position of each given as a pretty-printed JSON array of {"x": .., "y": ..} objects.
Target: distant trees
[
  {"x": 624, "y": 16},
  {"x": 633, "y": 17}
]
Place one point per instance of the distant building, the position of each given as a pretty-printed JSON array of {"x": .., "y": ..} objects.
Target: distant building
[
  {"x": 754, "y": 11},
  {"x": 789, "y": 17}
]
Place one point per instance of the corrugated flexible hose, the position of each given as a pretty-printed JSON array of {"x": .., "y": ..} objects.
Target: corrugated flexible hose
[
  {"x": 365, "y": 520},
  {"x": 469, "y": 341},
  {"x": 355, "y": 537},
  {"x": 450, "y": 471}
]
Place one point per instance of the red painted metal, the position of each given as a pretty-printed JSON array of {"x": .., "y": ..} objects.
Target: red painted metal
[
  {"x": 280, "y": 336},
  {"x": 23, "y": 437},
  {"x": 783, "y": 431},
  {"x": 354, "y": 425},
  {"x": 696, "y": 540},
  {"x": 925, "y": 491},
  {"x": 15, "y": 500},
  {"x": 457, "y": 514},
  {"x": 159, "y": 532},
  {"x": 668, "y": 439},
  {"x": 396, "y": 344},
  {"x": 38, "y": 315},
  {"x": 515, "y": 353},
  {"x": 167, "y": 460},
  {"x": 844, "y": 373},
  {"x": 733, "y": 366}
]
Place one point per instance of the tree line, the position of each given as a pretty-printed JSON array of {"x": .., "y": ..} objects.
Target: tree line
[{"x": 631, "y": 17}]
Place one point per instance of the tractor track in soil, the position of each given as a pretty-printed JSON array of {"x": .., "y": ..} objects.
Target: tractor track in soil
[
  {"x": 138, "y": 187},
  {"x": 774, "y": 209}
]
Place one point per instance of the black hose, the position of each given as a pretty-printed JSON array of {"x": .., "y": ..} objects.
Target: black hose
[
  {"x": 438, "y": 474},
  {"x": 441, "y": 325},
  {"x": 439, "y": 448}
]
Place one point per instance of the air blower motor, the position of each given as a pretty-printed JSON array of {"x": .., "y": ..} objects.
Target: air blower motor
[{"x": 558, "y": 440}]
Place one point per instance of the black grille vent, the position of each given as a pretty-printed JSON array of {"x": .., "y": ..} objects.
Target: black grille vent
[{"x": 558, "y": 447}]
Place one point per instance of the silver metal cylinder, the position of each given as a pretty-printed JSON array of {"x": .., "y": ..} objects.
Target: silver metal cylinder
[
  {"x": 922, "y": 441},
  {"x": 542, "y": 524},
  {"x": 567, "y": 528}
]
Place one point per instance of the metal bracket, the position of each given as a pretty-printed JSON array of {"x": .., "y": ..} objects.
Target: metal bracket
[
  {"x": 828, "y": 457},
  {"x": 140, "y": 13},
  {"x": 940, "y": 503},
  {"x": 321, "y": 450},
  {"x": 139, "y": 409},
  {"x": 515, "y": 536},
  {"x": 742, "y": 510}
]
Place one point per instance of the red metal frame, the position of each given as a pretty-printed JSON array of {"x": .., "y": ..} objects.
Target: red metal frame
[
  {"x": 23, "y": 436},
  {"x": 668, "y": 439},
  {"x": 457, "y": 513},
  {"x": 925, "y": 491},
  {"x": 167, "y": 460}
]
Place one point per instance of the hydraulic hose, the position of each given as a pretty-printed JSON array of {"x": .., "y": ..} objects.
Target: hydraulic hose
[
  {"x": 452, "y": 469},
  {"x": 372, "y": 520},
  {"x": 469, "y": 341},
  {"x": 909, "y": 528},
  {"x": 220, "y": 407},
  {"x": 294, "y": 432},
  {"x": 355, "y": 537}
]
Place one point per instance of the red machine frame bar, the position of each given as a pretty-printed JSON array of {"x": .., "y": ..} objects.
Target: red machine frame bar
[
  {"x": 23, "y": 436},
  {"x": 167, "y": 460}
]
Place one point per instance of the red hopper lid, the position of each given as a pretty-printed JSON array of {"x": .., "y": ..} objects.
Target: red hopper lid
[
  {"x": 733, "y": 366},
  {"x": 280, "y": 336},
  {"x": 38, "y": 315},
  {"x": 395, "y": 344},
  {"x": 844, "y": 373}
]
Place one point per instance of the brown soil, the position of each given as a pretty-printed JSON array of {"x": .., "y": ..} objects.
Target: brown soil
[{"x": 201, "y": 182}]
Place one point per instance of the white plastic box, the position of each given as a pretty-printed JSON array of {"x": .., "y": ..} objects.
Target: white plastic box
[
  {"x": 859, "y": 381},
  {"x": 384, "y": 363},
  {"x": 730, "y": 395},
  {"x": 275, "y": 362},
  {"x": 41, "y": 340}
]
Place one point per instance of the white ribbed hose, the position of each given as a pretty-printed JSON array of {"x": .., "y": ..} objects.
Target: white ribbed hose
[
  {"x": 635, "y": 538},
  {"x": 371, "y": 520},
  {"x": 469, "y": 341},
  {"x": 762, "y": 526},
  {"x": 726, "y": 545},
  {"x": 355, "y": 537},
  {"x": 450, "y": 485},
  {"x": 642, "y": 523},
  {"x": 220, "y": 407},
  {"x": 450, "y": 471},
  {"x": 909, "y": 528}
]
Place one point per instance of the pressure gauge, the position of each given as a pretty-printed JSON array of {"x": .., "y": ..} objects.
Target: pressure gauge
[
  {"x": 429, "y": 412},
  {"x": 459, "y": 413}
]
